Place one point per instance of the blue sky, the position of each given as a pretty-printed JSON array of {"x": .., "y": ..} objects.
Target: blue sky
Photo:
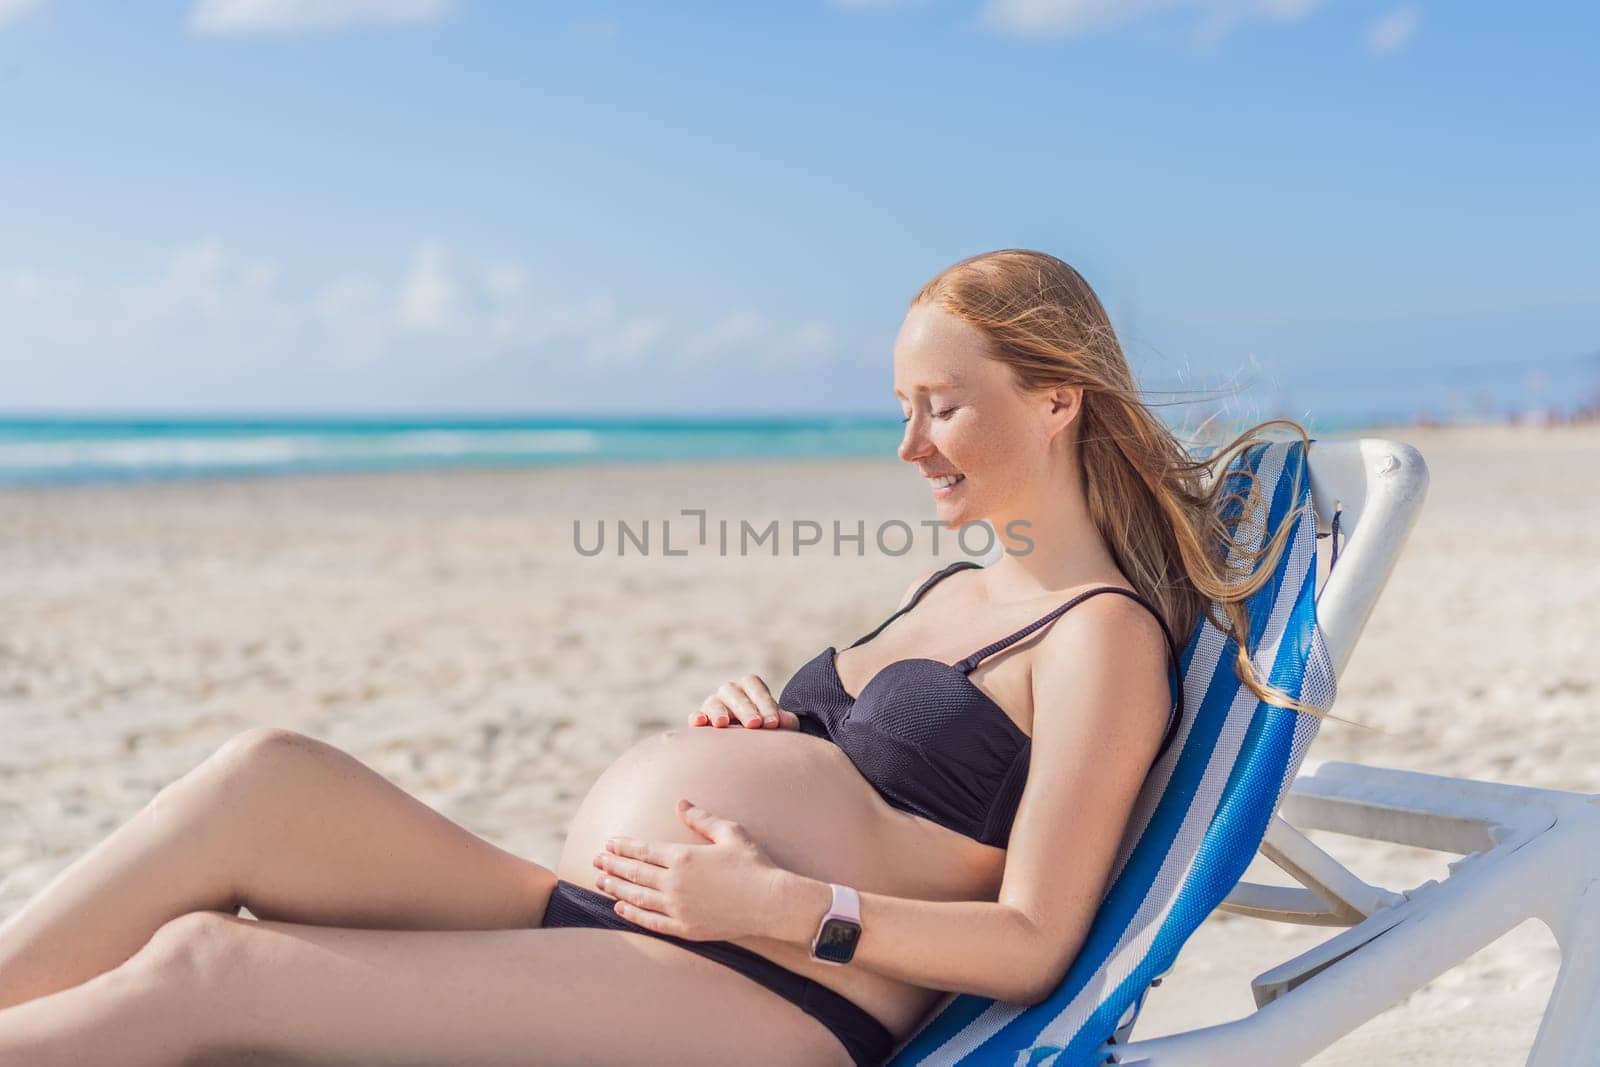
[{"x": 378, "y": 205}]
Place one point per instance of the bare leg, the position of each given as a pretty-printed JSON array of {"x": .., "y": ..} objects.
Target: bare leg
[
  {"x": 282, "y": 824},
  {"x": 215, "y": 989}
]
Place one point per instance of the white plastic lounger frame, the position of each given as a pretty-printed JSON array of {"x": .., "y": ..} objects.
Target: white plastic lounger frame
[
  {"x": 1527, "y": 853},
  {"x": 1206, "y": 804}
]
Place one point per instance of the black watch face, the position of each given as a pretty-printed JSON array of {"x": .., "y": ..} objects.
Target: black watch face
[{"x": 837, "y": 942}]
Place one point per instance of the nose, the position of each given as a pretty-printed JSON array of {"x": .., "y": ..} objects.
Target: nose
[{"x": 914, "y": 444}]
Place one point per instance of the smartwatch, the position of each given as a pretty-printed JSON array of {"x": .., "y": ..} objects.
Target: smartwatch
[{"x": 840, "y": 929}]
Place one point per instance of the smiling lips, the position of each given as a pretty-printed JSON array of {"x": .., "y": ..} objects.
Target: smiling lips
[{"x": 945, "y": 484}]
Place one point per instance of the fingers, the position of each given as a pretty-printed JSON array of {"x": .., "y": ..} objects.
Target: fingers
[
  {"x": 658, "y": 853},
  {"x": 747, "y": 701},
  {"x": 647, "y": 875},
  {"x": 761, "y": 697},
  {"x": 713, "y": 712},
  {"x": 711, "y": 826},
  {"x": 651, "y": 920},
  {"x": 633, "y": 893},
  {"x": 734, "y": 696}
]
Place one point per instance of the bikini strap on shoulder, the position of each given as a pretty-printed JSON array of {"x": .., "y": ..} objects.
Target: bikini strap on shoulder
[
  {"x": 1176, "y": 665},
  {"x": 971, "y": 662}
]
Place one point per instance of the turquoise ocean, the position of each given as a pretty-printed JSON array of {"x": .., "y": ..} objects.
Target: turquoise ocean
[{"x": 56, "y": 450}]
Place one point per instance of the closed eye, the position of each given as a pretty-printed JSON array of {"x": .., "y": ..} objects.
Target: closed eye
[{"x": 945, "y": 414}]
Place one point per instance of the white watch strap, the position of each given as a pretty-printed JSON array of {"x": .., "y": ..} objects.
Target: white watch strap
[{"x": 846, "y": 903}]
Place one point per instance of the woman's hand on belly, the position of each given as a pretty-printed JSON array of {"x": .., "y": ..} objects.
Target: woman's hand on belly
[
  {"x": 814, "y": 815},
  {"x": 717, "y": 891},
  {"x": 745, "y": 700}
]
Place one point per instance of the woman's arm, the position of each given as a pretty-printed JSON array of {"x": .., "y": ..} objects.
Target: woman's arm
[
  {"x": 1101, "y": 700},
  {"x": 962, "y": 946}
]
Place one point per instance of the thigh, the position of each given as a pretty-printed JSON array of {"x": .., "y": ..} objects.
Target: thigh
[
  {"x": 318, "y": 837},
  {"x": 285, "y": 825},
  {"x": 307, "y": 994}
]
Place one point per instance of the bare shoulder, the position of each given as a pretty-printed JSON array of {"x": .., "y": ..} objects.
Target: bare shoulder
[
  {"x": 1114, "y": 618},
  {"x": 1109, "y": 643}
]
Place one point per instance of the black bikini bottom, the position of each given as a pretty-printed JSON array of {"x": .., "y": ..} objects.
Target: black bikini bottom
[{"x": 867, "y": 1040}]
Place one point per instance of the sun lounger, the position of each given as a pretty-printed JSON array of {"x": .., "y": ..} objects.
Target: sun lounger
[{"x": 1236, "y": 781}]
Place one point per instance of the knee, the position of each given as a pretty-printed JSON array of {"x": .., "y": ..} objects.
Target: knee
[
  {"x": 263, "y": 746},
  {"x": 198, "y": 948},
  {"x": 261, "y": 753}
]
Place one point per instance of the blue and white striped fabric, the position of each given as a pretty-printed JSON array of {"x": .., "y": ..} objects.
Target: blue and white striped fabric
[{"x": 1202, "y": 813}]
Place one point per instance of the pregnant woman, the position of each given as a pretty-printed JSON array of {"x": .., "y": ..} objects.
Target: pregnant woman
[{"x": 794, "y": 880}]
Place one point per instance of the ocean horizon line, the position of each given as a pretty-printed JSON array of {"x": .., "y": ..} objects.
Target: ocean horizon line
[{"x": 37, "y": 448}]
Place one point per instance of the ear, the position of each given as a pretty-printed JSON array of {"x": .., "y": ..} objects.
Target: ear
[{"x": 1063, "y": 405}]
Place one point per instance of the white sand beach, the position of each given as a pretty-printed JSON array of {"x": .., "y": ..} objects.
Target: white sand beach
[{"x": 442, "y": 628}]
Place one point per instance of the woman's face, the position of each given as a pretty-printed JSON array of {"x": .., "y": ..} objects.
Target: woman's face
[{"x": 966, "y": 417}]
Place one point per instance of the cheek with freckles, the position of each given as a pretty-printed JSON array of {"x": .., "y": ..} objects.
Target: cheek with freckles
[{"x": 997, "y": 461}]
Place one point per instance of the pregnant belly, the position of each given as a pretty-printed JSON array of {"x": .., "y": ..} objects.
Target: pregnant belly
[{"x": 808, "y": 806}]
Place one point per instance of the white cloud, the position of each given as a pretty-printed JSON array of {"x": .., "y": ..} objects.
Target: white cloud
[
  {"x": 505, "y": 281},
  {"x": 1066, "y": 18},
  {"x": 624, "y": 344},
  {"x": 351, "y": 326},
  {"x": 1393, "y": 31},
  {"x": 47, "y": 308},
  {"x": 11, "y": 10},
  {"x": 288, "y": 16},
  {"x": 428, "y": 294},
  {"x": 737, "y": 332},
  {"x": 207, "y": 320},
  {"x": 28, "y": 286},
  {"x": 203, "y": 281},
  {"x": 813, "y": 342},
  {"x": 347, "y": 296},
  {"x": 748, "y": 336},
  {"x": 515, "y": 321}
]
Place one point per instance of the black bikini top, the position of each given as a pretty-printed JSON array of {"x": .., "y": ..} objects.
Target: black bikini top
[{"x": 928, "y": 739}]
